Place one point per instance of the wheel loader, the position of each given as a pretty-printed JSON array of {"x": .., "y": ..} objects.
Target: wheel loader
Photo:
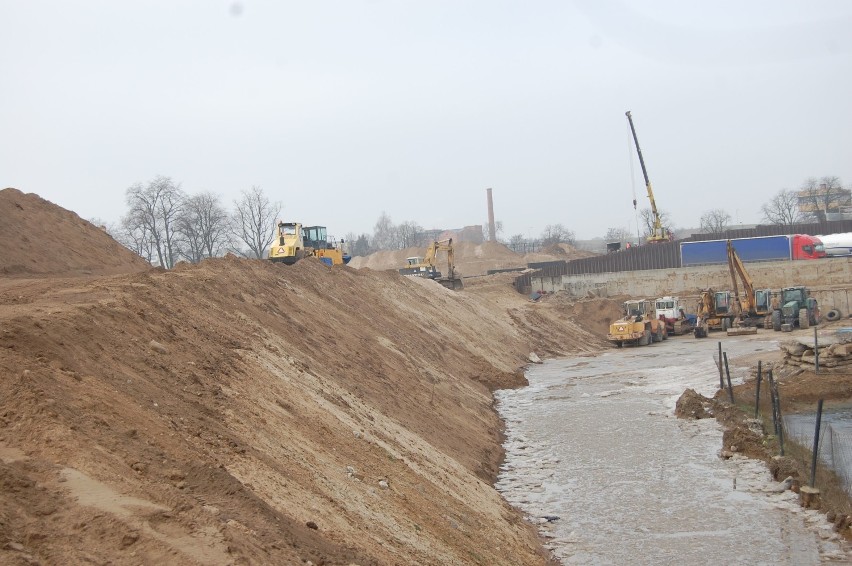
[
  {"x": 639, "y": 325},
  {"x": 294, "y": 242}
]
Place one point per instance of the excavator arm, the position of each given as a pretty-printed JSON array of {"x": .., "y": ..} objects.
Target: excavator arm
[{"x": 738, "y": 272}]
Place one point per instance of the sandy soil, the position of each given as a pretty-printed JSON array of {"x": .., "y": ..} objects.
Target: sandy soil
[
  {"x": 471, "y": 259},
  {"x": 241, "y": 412}
]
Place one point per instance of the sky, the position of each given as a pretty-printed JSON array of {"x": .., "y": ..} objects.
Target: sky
[{"x": 342, "y": 110}]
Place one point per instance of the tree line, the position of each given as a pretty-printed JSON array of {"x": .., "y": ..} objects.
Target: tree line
[
  {"x": 164, "y": 224},
  {"x": 811, "y": 202}
]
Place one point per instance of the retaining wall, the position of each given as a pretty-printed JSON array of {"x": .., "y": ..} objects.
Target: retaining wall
[{"x": 830, "y": 281}]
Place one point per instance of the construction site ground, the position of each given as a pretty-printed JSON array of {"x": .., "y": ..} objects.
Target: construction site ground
[{"x": 244, "y": 412}]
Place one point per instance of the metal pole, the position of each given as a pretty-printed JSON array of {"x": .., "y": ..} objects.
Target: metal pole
[
  {"x": 816, "y": 352},
  {"x": 780, "y": 419},
  {"x": 728, "y": 373},
  {"x": 772, "y": 402},
  {"x": 816, "y": 443},
  {"x": 757, "y": 390},
  {"x": 721, "y": 379}
]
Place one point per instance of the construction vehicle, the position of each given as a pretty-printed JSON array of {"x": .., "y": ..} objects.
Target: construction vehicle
[
  {"x": 639, "y": 325},
  {"x": 796, "y": 308},
  {"x": 658, "y": 233},
  {"x": 294, "y": 242},
  {"x": 716, "y": 311},
  {"x": 672, "y": 312},
  {"x": 753, "y": 308},
  {"x": 427, "y": 266}
]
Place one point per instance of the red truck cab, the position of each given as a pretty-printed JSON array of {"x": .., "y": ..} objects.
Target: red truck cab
[{"x": 804, "y": 246}]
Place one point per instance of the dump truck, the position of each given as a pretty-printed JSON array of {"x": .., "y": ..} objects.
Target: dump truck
[
  {"x": 673, "y": 313},
  {"x": 427, "y": 266},
  {"x": 639, "y": 325},
  {"x": 294, "y": 242}
]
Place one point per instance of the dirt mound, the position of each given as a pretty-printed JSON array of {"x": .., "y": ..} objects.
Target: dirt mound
[
  {"x": 38, "y": 237},
  {"x": 557, "y": 252},
  {"x": 471, "y": 259},
  {"x": 239, "y": 411}
]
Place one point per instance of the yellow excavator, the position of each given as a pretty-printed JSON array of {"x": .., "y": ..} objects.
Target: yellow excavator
[
  {"x": 427, "y": 266},
  {"x": 754, "y": 306},
  {"x": 658, "y": 233},
  {"x": 294, "y": 242}
]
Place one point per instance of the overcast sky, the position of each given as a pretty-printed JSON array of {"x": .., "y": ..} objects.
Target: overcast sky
[{"x": 343, "y": 109}]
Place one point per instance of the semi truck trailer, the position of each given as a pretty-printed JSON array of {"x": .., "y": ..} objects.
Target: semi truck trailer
[{"x": 763, "y": 248}]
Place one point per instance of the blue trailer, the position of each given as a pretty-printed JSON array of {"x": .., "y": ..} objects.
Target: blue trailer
[{"x": 713, "y": 252}]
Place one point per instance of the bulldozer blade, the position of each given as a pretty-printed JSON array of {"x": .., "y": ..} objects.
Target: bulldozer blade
[{"x": 742, "y": 330}]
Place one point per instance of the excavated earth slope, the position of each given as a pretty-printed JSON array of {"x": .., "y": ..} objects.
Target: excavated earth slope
[{"x": 243, "y": 412}]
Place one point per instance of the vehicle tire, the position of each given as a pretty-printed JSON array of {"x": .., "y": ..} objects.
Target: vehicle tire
[
  {"x": 804, "y": 319},
  {"x": 776, "y": 321},
  {"x": 657, "y": 336},
  {"x": 767, "y": 322},
  {"x": 726, "y": 324},
  {"x": 665, "y": 334},
  {"x": 832, "y": 315},
  {"x": 645, "y": 339},
  {"x": 619, "y": 344}
]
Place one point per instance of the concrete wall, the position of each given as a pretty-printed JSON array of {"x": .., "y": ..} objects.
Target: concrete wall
[{"x": 829, "y": 279}]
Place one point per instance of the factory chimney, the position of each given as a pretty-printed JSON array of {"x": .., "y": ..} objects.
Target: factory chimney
[{"x": 492, "y": 229}]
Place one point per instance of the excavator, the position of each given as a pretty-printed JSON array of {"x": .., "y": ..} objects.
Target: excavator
[
  {"x": 294, "y": 242},
  {"x": 427, "y": 266},
  {"x": 658, "y": 233},
  {"x": 754, "y": 307}
]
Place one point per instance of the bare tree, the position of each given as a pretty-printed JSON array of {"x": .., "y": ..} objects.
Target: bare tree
[
  {"x": 133, "y": 235},
  {"x": 557, "y": 234},
  {"x": 783, "y": 209},
  {"x": 617, "y": 235},
  {"x": 819, "y": 197},
  {"x": 409, "y": 234},
  {"x": 154, "y": 209},
  {"x": 714, "y": 221},
  {"x": 647, "y": 217},
  {"x": 384, "y": 233},
  {"x": 255, "y": 219},
  {"x": 204, "y": 226},
  {"x": 358, "y": 244}
]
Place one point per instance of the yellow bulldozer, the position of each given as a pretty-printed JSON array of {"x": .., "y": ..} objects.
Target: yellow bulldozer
[
  {"x": 427, "y": 266},
  {"x": 294, "y": 242}
]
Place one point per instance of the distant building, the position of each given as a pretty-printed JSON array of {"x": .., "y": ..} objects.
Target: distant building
[{"x": 824, "y": 201}]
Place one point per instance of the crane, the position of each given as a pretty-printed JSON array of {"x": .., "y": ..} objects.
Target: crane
[{"x": 658, "y": 233}]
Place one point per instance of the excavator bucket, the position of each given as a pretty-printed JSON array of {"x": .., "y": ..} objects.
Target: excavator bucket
[{"x": 454, "y": 284}]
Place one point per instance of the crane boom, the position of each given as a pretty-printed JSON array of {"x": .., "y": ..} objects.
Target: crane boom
[{"x": 657, "y": 233}]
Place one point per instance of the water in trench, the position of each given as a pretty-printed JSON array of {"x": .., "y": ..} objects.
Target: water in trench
[{"x": 595, "y": 456}]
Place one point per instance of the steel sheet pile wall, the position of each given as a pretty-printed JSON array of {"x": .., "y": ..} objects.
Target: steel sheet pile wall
[
  {"x": 651, "y": 256},
  {"x": 667, "y": 255}
]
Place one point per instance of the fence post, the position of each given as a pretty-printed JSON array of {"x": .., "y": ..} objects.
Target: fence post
[
  {"x": 780, "y": 418},
  {"x": 816, "y": 352},
  {"x": 721, "y": 379},
  {"x": 816, "y": 443},
  {"x": 757, "y": 391},
  {"x": 728, "y": 373},
  {"x": 772, "y": 402}
]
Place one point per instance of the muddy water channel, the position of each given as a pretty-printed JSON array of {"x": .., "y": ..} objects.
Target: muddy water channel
[{"x": 595, "y": 456}]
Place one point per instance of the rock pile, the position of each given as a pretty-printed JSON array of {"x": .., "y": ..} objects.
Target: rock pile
[{"x": 835, "y": 352}]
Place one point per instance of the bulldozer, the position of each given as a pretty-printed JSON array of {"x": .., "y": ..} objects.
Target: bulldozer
[
  {"x": 427, "y": 266},
  {"x": 639, "y": 325},
  {"x": 294, "y": 242}
]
